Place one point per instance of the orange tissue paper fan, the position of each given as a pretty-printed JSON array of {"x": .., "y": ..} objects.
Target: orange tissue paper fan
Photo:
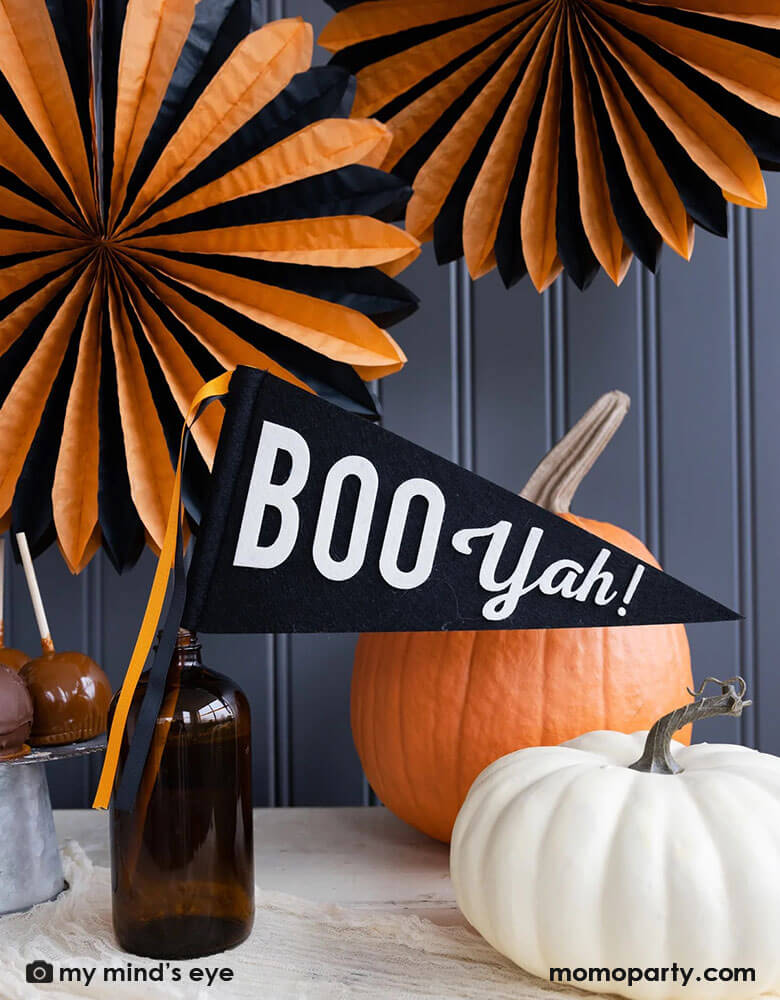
[
  {"x": 545, "y": 135},
  {"x": 180, "y": 193}
]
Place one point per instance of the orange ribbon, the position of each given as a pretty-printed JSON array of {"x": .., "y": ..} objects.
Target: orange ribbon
[{"x": 216, "y": 387}]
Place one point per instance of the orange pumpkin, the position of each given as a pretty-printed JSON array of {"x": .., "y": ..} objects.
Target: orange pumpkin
[{"x": 430, "y": 710}]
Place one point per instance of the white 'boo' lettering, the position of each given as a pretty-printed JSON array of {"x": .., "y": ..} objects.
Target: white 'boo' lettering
[{"x": 263, "y": 493}]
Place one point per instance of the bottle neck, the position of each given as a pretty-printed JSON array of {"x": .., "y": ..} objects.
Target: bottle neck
[{"x": 186, "y": 653}]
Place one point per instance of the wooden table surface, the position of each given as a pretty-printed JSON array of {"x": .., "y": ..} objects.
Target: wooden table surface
[{"x": 358, "y": 857}]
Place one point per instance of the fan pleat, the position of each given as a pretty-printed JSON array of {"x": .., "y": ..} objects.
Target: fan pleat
[
  {"x": 32, "y": 508},
  {"x": 351, "y": 190},
  {"x": 26, "y": 311},
  {"x": 598, "y": 218},
  {"x": 75, "y": 486},
  {"x": 20, "y": 241},
  {"x": 23, "y": 210},
  {"x": 25, "y": 155},
  {"x": 152, "y": 39},
  {"x": 23, "y": 406},
  {"x": 73, "y": 21},
  {"x": 106, "y": 40},
  {"x": 503, "y": 164},
  {"x": 642, "y": 238},
  {"x": 167, "y": 378},
  {"x": 21, "y": 333},
  {"x": 18, "y": 277},
  {"x": 122, "y": 530},
  {"x": 653, "y": 187},
  {"x": 148, "y": 462},
  {"x": 577, "y": 257},
  {"x": 341, "y": 241},
  {"x": 180, "y": 193},
  {"x": 184, "y": 365},
  {"x": 31, "y": 61},
  {"x": 759, "y": 12}
]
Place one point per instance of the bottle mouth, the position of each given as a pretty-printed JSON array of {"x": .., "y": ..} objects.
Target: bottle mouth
[{"x": 187, "y": 639}]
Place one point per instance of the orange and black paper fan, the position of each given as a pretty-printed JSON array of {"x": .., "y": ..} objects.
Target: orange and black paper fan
[
  {"x": 180, "y": 193},
  {"x": 545, "y": 135}
]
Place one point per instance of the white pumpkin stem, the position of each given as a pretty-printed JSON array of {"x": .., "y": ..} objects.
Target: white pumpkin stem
[
  {"x": 557, "y": 477},
  {"x": 657, "y": 756}
]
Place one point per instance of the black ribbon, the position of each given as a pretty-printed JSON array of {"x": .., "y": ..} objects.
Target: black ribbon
[{"x": 127, "y": 784}]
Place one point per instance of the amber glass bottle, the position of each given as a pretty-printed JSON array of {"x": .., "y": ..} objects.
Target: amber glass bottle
[{"x": 182, "y": 860}]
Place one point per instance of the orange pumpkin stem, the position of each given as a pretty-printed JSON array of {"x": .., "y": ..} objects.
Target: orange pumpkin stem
[
  {"x": 657, "y": 756},
  {"x": 557, "y": 477}
]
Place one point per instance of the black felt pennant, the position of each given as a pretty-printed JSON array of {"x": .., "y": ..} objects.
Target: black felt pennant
[{"x": 320, "y": 522}]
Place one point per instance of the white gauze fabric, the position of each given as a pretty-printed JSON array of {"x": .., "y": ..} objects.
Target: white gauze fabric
[{"x": 297, "y": 949}]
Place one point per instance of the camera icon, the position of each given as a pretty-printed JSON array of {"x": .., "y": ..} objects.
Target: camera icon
[{"x": 40, "y": 972}]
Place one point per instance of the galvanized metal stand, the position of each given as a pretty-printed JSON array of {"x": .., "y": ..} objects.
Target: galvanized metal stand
[{"x": 30, "y": 866}]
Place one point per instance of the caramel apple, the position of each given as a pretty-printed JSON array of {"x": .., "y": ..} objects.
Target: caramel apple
[
  {"x": 16, "y": 714},
  {"x": 13, "y": 658},
  {"x": 70, "y": 695}
]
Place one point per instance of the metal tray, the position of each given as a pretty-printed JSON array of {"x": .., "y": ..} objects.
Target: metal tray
[{"x": 47, "y": 755}]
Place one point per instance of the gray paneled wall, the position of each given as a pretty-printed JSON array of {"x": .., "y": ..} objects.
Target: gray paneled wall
[{"x": 493, "y": 378}]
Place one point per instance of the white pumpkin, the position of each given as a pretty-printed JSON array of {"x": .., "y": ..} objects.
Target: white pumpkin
[{"x": 595, "y": 855}]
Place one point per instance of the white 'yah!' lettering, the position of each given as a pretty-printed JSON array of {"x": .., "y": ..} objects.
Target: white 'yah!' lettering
[{"x": 564, "y": 576}]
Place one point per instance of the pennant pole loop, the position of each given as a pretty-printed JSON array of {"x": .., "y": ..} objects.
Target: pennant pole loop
[{"x": 210, "y": 390}]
